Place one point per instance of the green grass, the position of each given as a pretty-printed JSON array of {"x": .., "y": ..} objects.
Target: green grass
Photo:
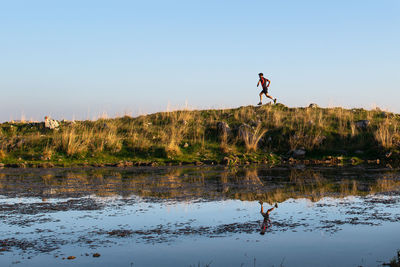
[{"x": 264, "y": 134}]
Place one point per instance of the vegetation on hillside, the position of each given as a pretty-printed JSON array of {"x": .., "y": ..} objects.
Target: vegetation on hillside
[{"x": 268, "y": 134}]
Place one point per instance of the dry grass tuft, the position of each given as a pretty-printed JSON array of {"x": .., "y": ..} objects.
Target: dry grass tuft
[
  {"x": 387, "y": 133},
  {"x": 252, "y": 137},
  {"x": 2, "y": 154},
  {"x": 72, "y": 142},
  {"x": 307, "y": 138},
  {"x": 107, "y": 139},
  {"x": 47, "y": 153},
  {"x": 80, "y": 139},
  {"x": 175, "y": 130}
]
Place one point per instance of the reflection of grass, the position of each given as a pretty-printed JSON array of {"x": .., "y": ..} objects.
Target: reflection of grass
[
  {"x": 192, "y": 136},
  {"x": 189, "y": 183},
  {"x": 385, "y": 185}
]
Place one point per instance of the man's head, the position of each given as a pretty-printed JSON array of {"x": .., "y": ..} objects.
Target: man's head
[{"x": 261, "y": 74}]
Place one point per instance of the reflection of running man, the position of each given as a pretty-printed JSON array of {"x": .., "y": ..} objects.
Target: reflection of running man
[{"x": 266, "y": 221}]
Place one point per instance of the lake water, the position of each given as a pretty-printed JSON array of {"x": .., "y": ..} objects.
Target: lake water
[{"x": 199, "y": 216}]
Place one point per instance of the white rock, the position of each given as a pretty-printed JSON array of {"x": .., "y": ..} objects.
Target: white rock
[{"x": 51, "y": 124}]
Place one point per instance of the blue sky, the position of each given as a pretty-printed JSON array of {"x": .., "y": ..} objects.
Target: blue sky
[{"x": 82, "y": 58}]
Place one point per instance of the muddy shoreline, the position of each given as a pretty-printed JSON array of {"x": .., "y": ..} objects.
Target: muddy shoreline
[{"x": 330, "y": 161}]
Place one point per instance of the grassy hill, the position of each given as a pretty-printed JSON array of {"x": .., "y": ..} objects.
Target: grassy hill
[{"x": 272, "y": 134}]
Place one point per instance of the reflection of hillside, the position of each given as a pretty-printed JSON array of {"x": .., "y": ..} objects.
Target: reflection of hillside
[{"x": 270, "y": 185}]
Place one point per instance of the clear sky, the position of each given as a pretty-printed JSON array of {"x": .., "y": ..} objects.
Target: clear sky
[{"x": 71, "y": 58}]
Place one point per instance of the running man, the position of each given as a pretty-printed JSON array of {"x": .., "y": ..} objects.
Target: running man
[
  {"x": 265, "y": 84},
  {"x": 266, "y": 221}
]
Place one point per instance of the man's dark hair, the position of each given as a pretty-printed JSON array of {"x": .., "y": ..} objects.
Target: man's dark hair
[{"x": 261, "y": 74}]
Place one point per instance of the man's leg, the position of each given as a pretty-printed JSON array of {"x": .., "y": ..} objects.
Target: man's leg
[
  {"x": 270, "y": 97},
  {"x": 260, "y": 98},
  {"x": 261, "y": 203}
]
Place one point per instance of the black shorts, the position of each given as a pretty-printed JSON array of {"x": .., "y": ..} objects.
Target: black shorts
[
  {"x": 265, "y": 90},
  {"x": 265, "y": 215}
]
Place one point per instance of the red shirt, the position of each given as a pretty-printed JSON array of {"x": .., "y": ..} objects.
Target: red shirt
[{"x": 263, "y": 82}]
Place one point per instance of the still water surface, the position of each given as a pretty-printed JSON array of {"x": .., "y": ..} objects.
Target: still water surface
[{"x": 199, "y": 217}]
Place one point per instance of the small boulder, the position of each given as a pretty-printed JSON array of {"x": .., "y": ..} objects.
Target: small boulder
[
  {"x": 313, "y": 105},
  {"x": 321, "y": 139},
  {"x": 254, "y": 123},
  {"x": 298, "y": 153},
  {"x": 50, "y": 123},
  {"x": 223, "y": 129},
  {"x": 362, "y": 124}
]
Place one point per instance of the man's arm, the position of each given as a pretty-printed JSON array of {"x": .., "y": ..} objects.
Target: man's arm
[
  {"x": 258, "y": 83},
  {"x": 269, "y": 82}
]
